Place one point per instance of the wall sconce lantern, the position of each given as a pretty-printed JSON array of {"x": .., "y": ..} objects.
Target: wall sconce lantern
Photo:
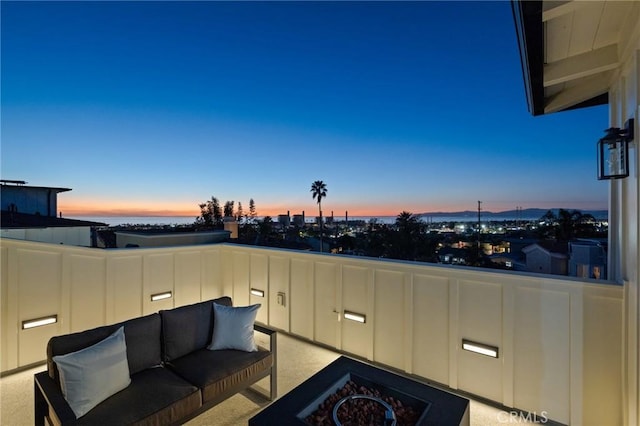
[{"x": 613, "y": 152}]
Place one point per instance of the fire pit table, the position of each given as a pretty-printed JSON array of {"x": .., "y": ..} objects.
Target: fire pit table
[{"x": 353, "y": 392}]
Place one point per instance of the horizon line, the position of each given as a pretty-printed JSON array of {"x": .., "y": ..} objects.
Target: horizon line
[{"x": 169, "y": 213}]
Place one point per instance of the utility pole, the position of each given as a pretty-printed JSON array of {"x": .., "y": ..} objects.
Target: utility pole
[{"x": 479, "y": 203}]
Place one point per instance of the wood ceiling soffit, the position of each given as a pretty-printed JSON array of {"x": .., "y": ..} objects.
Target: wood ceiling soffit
[
  {"x": 582, "y": 65},
  {"x": 581, "y": 91},
  {"x": 557, "y": 36},
  {"x": 587, "y": 23},
  {"x": 630, "y": 28},
  {"x": 555, "y": 9}
]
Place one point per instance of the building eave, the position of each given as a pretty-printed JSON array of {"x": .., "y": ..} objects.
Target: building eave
[{"x": 530, "y": 33}]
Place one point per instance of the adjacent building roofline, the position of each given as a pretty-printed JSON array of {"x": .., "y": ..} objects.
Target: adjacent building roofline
[
  {"x": 527, "y": 17},
  {"x": 24, "y": 220},
  {"x": 19, "y": 184}
]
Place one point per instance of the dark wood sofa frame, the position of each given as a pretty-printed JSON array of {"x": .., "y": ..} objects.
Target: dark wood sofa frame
[{"x": 160, "y": 353}]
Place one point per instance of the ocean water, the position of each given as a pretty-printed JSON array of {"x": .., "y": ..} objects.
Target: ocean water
[
  {"x": 188, "y": 220},
  {"x": 138, "y": 220}
]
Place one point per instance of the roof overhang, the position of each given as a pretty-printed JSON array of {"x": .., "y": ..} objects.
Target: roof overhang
[
  {"x": 10, "y": 184},
  {"x": 570, "y": 50}
]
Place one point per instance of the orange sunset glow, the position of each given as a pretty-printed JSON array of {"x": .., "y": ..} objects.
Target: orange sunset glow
[
  {"x": 69, "y": 209},
  {"x": 130, "y": 208},
  {"x": 121, "y": 208}
]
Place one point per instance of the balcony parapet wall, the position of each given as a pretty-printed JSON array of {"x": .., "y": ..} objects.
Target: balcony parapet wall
[{"x": 559, "y": 341}]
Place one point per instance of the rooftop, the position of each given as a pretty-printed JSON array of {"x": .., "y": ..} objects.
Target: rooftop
[{"x": 24, "y": 220}]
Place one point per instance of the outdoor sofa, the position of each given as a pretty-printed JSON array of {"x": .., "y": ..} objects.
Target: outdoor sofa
[{"x": 173, "y": 371}]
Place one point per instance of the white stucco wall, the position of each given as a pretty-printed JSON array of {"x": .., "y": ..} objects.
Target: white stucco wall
[
  {"x": 624, "y": 260},
  {"x": 560, "y": 339},
  {"x": 133, "y": 239},
  {"x": 71, "y": 235}
]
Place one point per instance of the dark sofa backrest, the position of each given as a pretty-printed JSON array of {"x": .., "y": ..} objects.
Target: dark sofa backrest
[
  {"x": 142, "y": 337},
  {"x": 188, "y": 328}
]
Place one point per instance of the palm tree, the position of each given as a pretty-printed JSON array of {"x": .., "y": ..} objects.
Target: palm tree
[
  {"x": 407, "y": 236},
  {"x": 567, "y": 223},
  {"x": 319, "y": 191}
]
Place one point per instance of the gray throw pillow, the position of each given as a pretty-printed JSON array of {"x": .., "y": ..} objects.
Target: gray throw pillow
[
  {"x": 93, "y": 374},
  {"x": 233, "y": 328}
]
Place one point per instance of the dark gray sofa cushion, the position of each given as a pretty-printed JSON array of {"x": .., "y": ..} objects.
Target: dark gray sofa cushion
[
  {"x": 142, "y": 337},
  {"x": 223, "y": 372},
  {"x": 156, "y": 396},
  {"x": 188, "y": 328}
]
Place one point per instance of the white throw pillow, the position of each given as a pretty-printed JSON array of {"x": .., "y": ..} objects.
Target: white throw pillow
[
  {"x": 233, "y": 328},
  {"x": 93, "y": 374}
]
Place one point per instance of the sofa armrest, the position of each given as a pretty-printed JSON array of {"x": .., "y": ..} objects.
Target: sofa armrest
[
  {"x": 264, "y": 329},
  {"x": 49, "y": 402},
  {"x": 273, "y": 337},
  {"x": 273, "y": 348}
]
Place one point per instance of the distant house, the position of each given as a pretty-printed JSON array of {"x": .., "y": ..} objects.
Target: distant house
[
  {"x": 516, "y": 244},
  {"x": 547, "y": 257},
  {"x": 588, "y": 259},
  {"x": 30, "y": 213},
  {"x": 284, "y": 220},
  {"x": 452, "y": 256},
  {"x": 513, "y": 261},
  {"x": 298, "y": 219},
  {"x": 17, "y": 197}
]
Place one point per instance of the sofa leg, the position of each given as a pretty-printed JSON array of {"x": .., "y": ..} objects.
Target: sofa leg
[
  {"x": 39, "y": 405},
  {"x": 273, "y": 381},
  {"x": 273, "y": 377}
]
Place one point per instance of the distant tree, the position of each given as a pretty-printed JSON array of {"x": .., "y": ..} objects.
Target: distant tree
[
  {"x": 569, "y": 222},
  {"x": 566, "y": 225},
  {"x": 210, "y": 214},
  {"x": 407, "y": 222},
  {"x": 319, "y": 191},
  {"x": 407, "y": 237},
  {"x": 346, "y": 242},
  {"x": 228, "y": 208},
  {"x": 252, "y": 210},
  {"x": 239, "y": 212},
  {"x": 377, "y": 240},
  {"x": 265, "y": 227},
  {"x": 549, "y": 217},
  {"x": 206, "y": 216},
  {"x": 217, "y": 212}
]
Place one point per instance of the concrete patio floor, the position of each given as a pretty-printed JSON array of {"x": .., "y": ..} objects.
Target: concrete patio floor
[{"x": 297, "y": 361}]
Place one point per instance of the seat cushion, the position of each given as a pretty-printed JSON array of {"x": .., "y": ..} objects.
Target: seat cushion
[
  {"x": 217, "y": 373},
  {"x": 188, "y": 328},
  {"x": 155, "y": 396}
]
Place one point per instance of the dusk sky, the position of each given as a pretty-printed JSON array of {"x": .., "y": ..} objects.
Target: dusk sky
[{"x": 150, "y": 108}]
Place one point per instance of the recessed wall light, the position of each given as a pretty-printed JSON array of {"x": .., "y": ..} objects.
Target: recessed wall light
[
  {"x": 256, "y": 292},
  {"x": 480, "y": 348},
  {"x": 354, "y": 316},
  {"x": 39, "y": 322},
  {"x": 161, "y": 296}
]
